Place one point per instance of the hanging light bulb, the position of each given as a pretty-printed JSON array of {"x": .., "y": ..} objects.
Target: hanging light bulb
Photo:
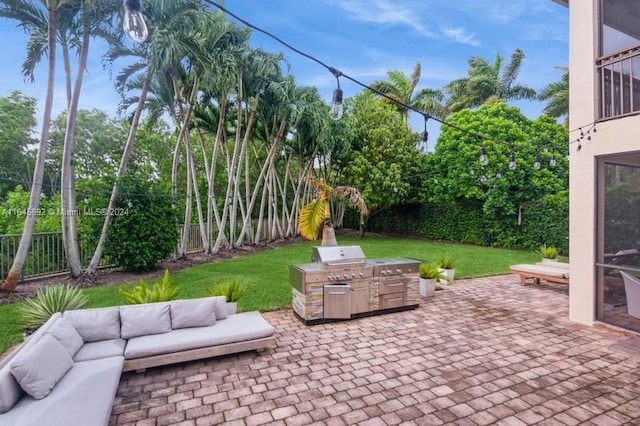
[
  {"x": 536, "y": 162},
  {"x": 512, "y": 161},
  {"x": 499, "y": 175},
  {"x": 552, "y": 161},
  {"x": 133, "y": 22},
  {"x": 336, "y": 104},
  {"x": 424, "y": 137},
  {"x": 483, "y": 157}
]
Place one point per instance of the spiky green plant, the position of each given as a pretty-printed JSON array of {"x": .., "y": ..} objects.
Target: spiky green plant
[
  {"x": 56, "y": 298},
  {"x": 446, "y": 262},
  {"x": 429, "y": 271},
  {"x": 163, "y": 291},
  {"x": 548, "y": 252},
  {"x": 232, "y": 290}
]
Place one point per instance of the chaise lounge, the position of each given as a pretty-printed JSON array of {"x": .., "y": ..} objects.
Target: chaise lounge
[{"x": 557, "y": 273}]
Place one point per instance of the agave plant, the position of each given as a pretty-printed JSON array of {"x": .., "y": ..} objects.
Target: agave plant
[
  {"x": 57, "y": 298},
  {"x": 317, "y": 214},
  {"x": 163, "y": 291}
]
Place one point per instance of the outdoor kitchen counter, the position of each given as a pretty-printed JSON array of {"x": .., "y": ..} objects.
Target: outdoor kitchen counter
[{"x": 322, "y": 292}]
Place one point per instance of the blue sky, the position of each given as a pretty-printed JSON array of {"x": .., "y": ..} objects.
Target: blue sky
[{"x": 362, "y": 38}]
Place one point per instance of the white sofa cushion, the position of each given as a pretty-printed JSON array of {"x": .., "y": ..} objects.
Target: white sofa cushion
[
  {"x": 39, "y": 368},
  {"x": 142, "y": 320},
  {"x": 193, "y": 313},
  {"x": 221, "y": 307},
  {"x": 95, "y": 324},
  {"x": 101, "y": 349},
  {"x": 10, "y": 390},
  {"x": 236, "y": 328},
  {"x": 66, "y": 335},
  {"x": 84, "y": 396}
]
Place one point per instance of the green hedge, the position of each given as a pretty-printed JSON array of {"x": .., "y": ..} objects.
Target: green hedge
[{"x": 542, "y": 222}]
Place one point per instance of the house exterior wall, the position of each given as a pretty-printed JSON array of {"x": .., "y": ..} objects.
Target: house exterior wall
[{"x": 613, "y": 136}]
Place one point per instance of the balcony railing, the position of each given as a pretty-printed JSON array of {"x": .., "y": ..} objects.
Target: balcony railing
[{"x": 618, "y": 78}]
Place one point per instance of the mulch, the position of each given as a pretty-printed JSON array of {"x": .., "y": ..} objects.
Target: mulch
[{"x": 114, "y": 276}]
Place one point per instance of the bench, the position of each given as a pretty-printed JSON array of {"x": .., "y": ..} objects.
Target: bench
[{"x": 555, "y": 274}]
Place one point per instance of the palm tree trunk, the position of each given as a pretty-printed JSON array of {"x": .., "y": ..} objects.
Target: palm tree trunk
[
  {"x": 38, "y": 173},
  {"x": 124, "y": 161},
  {"x": 67, "y": 177}
]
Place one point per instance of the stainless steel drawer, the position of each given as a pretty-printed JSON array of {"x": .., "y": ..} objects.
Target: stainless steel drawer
[
  {"x": 392, "y": 300},
  {"x": 396, "y": 285}
]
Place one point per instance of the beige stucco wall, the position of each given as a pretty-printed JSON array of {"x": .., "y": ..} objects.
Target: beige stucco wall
[{"x": 615, "y": 136}]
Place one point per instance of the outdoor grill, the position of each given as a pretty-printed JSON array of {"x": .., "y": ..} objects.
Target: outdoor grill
[{"x": 340, "y": 283}]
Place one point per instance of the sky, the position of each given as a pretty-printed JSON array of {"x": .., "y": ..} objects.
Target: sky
[{"x": 362, "y": 38}]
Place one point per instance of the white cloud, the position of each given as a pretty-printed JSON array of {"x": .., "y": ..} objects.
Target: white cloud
[
  {"x": 384, "y": 12},
  {"x": 460, "y": 35}
]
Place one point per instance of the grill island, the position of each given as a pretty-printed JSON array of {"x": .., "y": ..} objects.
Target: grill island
[{"x": 341, "y": 283}]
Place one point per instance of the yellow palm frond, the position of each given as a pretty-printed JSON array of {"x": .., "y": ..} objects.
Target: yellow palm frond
[{"x": 311, "y": 217}]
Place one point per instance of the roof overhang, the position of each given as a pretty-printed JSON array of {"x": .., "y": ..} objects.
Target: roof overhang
[{"x": 564, "y": 3}]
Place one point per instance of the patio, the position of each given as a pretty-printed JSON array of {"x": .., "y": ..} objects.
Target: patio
[{"x": 483, "y": 351}]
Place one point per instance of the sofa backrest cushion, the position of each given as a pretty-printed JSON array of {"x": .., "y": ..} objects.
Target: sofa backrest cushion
[
  {"x": 66, "y": 335},
  {"x": 95, "y": 324},
  {"x": 193, "y": 313},
  {"x": 41, "y": 366},
  {"x": 221, "y": 307},
  {"x": 10, "y": 390},
  {"x": 141, "y": 320}
]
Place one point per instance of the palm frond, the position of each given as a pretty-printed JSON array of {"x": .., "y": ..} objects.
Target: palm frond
[
  {"x": 312, "y": 217},
  {"x": 353, "y": 197},
  {"x": 512, "y": 70}
]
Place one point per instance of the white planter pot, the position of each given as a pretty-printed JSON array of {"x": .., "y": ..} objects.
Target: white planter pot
[
  {"x": 549, "y": 260},
  {"x": 232, "y": 308},
  {"x": 447, "y": 275},
  {"x": 427, "y": 287}
]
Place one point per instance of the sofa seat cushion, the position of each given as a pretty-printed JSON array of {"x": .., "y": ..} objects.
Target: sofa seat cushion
[
  {"x": 235, "y": 328},
  {"x": 84, "y": 396},
  {"x": 102, "y": 349}
]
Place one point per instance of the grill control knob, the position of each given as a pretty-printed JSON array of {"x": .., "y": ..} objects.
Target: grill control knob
[
  {"x": 361, "y": 274},
  {"x": 353, "y": 275},
  {"x": 399, "y": 270},
  {"x": 346, "y": 276}
]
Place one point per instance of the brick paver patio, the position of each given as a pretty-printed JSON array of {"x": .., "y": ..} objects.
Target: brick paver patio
[{"x": 483, "y": 351}]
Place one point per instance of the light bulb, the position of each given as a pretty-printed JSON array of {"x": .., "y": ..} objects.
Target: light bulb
[
  {"x": 336, "y": 105},
  {"x": 512, "y": 162},
  {"x": 133, "y": 22},
  {"x": 536, "y": 162},
  {"x": 552, "y": 161},
  {"x": 483, "y": 157}
]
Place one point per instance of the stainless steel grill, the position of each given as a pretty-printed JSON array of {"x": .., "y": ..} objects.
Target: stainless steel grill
[{"x": 341, "y": 283}]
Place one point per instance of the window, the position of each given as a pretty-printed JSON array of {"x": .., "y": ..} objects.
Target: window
[{"x": 619, "y": 63}]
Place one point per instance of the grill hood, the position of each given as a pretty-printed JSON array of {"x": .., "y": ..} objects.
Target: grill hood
[{"x": 339, "y": 255}]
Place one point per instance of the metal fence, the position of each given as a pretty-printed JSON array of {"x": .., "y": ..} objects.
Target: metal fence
[{"x": 46, "y": 255}]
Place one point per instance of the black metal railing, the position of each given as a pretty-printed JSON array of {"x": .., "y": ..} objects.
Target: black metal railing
[{"x": 619, "y": 83}]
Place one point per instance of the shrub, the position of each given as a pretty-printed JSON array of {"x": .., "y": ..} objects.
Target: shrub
[
  {"x": 233, "y": 290},
  {"x": 163, "y": 291},
  {"x": 57, "y": 298},
  {"x": 144, "y": 229}
]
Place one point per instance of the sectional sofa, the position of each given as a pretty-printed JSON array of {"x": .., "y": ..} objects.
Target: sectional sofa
[{"x": 68, "y": 371}]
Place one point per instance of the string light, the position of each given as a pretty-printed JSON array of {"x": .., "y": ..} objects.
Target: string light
[
  {"x": 424, "y": 137},
  {"x": 512, "y": 160},
  {"x": 484, "y": 160},
  {"x": 133, "y": 22},
  {"x": 337, "y": 109},
  {"x": 552, "y": 161},
  {"x": 536, "y": 162}
]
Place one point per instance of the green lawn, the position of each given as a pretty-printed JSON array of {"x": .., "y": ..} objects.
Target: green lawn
[{"x": 266, "y": 273}]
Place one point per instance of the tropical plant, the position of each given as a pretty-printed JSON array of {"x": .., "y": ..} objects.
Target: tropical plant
[
  {"x": 163, "y": 291},
  {"x": 37, "y": 310},
  {"x": 557, "y": 96},
  {"x": 429, "y": 271},
  {"x": 446, "y": 262},
  {"x": 400, "y": 88},
  {"x": 316, "y": 214},
  {"x": 488, "y": 83},
  {"x": 231, "y": 290},
  {"x": 547, "y": 252}
]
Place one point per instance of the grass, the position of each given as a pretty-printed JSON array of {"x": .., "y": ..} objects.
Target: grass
[{"x": 266, "y": 273}]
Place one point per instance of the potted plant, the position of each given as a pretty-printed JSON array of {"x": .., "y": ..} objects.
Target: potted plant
[
  {"x": 446, "y": 266},
  {"x": 548, "y": 253},
  {"x": 232, "y": 291},
  {"x": 429, "y": 275}
]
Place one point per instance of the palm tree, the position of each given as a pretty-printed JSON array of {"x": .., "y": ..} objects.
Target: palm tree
[
  {"x": 557, "y": 96},
  {"x": 400, "y": 87},
  {"x": 25, "y": 12},
  {"x": 317, "y": 214},
  {"x": 487, "y": 83}
]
